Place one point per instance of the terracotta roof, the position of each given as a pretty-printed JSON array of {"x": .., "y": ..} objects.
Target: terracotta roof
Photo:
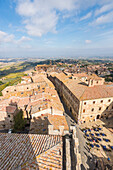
[
  {"x": 20, "y": 150},
  {"x": 94, "y": 77},
  {"x": 23, "y": 101},
  {"x": 80, "y": 75},
  {"x": 82, "y": 91},
  {"x": 51, "y": 159},
  {"x": 39, "y": 125},
  {"x": 57, "y": 121}
]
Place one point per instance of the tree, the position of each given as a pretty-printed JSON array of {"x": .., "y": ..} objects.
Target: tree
[{"x": 19, "y": 122}]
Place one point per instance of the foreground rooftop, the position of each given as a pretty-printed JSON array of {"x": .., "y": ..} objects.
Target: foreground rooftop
[{"x": 30, "y": 150}]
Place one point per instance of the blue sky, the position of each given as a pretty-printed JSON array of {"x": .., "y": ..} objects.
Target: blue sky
[{"x": 54, "y": 28}]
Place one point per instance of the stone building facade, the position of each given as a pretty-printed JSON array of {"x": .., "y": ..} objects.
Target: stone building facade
[
  {"x": 7, "y": 114},
  {"x": 22, "y": 88},
  {"x": 87, "y": 100}
]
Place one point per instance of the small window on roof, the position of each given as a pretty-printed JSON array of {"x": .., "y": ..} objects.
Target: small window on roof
[
  {"x": 92, "y": 109},
  {"x": 109, "y": 100},
  {"x": 84, "y": 103},
  {"x": 7, "y": 91},
  {"x": 101, "y": 101},
  {"x": 93, "y": 102}
]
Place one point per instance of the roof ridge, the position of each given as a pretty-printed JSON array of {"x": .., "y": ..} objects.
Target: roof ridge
[
  {"x": 41, "y": 153},
  {"x": 82, "y": 93}
]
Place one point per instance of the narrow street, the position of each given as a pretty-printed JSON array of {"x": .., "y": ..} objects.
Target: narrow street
[{"x": 87, "y": 159}]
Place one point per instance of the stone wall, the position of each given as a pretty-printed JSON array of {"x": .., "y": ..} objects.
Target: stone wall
[
  {"x": 61, "y": 130},
  {"x": 76, "y": 148}
]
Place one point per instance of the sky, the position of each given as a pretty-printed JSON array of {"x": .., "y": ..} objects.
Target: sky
[{"x": 56, "y": 28}]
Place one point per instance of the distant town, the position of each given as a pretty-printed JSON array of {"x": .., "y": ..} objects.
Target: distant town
[{"x": 56, "y": 114}]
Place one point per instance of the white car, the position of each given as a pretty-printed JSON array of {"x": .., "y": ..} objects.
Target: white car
[{"x": 10, "y": 131}]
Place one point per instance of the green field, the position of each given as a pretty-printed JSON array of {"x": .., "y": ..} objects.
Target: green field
[{"x": 10, "y": 80}]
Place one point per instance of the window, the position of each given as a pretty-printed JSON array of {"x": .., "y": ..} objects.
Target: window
[
  {"x": 92, "y": 109},
  {"x": 84, "y": 103},
  {"x": 107, "y": 108},
  {"x": 27, "y": 87},
  {"x": 91, "y": 116},
  {"x": 98, "y": 116},
  {"x": 14, "y": 89},
  {"x": 109, "y": 100},
  {"x": 7, "y": 91},
  {"x": 101, "y": 101},
  {"x": 10, "y": 121},
  {"x": 8, "y": 115},
  {"x": 93, "y": 102},
  {"x": 84, "y": 121},
  {"x": 99, "y": 108},
  {"x": 97, "y": 82},
  {"x": 84, "y": 111},
  {"x": 112, "y": 107}
]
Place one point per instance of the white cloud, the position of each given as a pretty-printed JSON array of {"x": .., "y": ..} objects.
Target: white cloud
[
  {"x": 88, "y": 41},
  {"x": 2, "y": 34},
  {"x": 10, "y": 38},
  {"x": 23, "y": 39},
  {"x": 86, "y": 16},
  {"x": 40, "y": 16},
  {"x": 4, "y": 37},
  {"x": 107, "y": 18},
  {"x": 104, "y": 8}
]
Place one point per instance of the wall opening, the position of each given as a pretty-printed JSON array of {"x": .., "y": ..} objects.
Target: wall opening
[
  {"x": 70, "y": 109},
  {"x": 98, "y": 116}
]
